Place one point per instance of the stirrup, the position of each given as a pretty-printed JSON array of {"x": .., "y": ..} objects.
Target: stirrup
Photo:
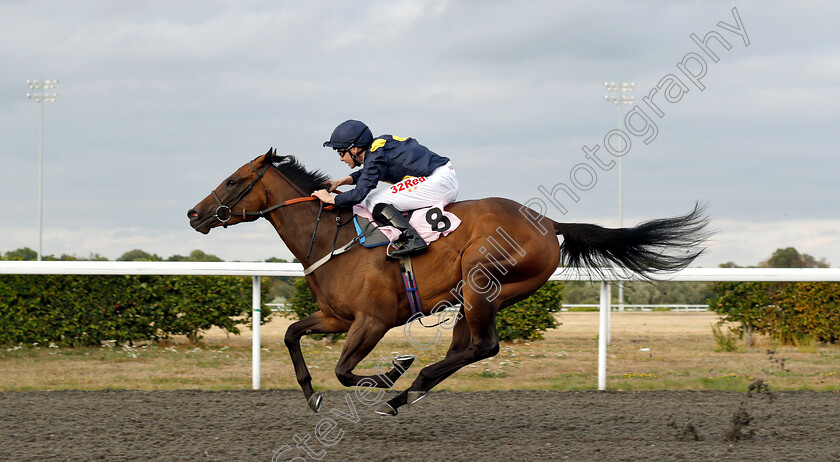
[{"x": 405, "y": 249}]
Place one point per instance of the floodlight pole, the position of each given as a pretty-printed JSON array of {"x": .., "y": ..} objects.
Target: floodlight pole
[
  {"x": 41, "y": 98},
  {"x": 620, "y": 101}
]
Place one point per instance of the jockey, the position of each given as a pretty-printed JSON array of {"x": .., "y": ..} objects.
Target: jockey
[{"x": 391, "y": 159}]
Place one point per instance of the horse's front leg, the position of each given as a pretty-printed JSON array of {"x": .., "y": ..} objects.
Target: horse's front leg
[
  {"x": 364, "y": 334},
  {"x": 315, "y": 323}
]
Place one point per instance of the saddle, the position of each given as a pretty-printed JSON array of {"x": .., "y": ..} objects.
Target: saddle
[
  {"x": 369, "y": 234},
  {"x": 430, "y": 223}
]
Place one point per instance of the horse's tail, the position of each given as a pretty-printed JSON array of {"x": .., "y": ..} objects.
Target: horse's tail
[{"x": 667, "y": 244}]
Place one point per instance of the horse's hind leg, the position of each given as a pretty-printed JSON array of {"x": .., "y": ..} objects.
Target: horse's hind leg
[
  {"x": 460, "y": 342},
  {"x": 363, "y": 336},
  {"x": 315, "y": 323},
  {"x": 473, "y": 339}
]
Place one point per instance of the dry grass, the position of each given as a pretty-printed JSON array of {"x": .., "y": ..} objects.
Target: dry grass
[{"x": 653, "y": 350}]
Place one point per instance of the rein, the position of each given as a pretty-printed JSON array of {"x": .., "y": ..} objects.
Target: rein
[{"x": 224, "y": 211}]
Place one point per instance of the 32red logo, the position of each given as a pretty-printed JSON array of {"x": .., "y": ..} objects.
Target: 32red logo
[{"x": 406, "y": 184}]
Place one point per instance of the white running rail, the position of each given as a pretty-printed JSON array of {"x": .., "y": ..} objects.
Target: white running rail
[{"x": 258, "y": 269}]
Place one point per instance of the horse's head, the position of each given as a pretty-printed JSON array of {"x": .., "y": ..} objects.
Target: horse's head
[{"x": 239, "y": 198}]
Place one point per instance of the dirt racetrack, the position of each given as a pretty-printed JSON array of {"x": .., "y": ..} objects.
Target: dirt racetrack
[{"x": 191, "y": 425}]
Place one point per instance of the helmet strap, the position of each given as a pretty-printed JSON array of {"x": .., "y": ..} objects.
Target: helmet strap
[{"x": 356, "y": 162}]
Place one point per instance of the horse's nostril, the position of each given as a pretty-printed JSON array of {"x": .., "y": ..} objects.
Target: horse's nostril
[{"x": 192, "y": 214}]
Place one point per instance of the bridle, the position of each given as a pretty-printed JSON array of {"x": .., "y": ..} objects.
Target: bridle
[{"x": 224, "y": 211}]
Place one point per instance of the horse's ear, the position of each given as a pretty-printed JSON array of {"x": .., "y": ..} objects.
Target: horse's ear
[{"x": 270, "y": 154}]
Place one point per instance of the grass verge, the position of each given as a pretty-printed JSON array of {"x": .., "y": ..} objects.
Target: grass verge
[{"x": 648, "y": 351}]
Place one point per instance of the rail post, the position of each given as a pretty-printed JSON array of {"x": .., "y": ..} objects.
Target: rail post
[
  {"x": 256, "y": 304},
  {"x": 603, "y": 329}
]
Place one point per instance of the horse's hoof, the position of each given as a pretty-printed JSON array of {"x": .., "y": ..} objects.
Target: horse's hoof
[
  {"x": 386, "y": 409},
  {"x": 403, "y": 361},
  {"x": 315, "y": 402},
  {"x": 414, "y": 396}
]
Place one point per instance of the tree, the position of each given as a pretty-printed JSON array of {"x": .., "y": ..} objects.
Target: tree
[
  {"x": 139, "y": 255},
  {"x": 790, "y": 258},
  {"x": 21, "y": 254},
  {"x": 195, "y": 255}
]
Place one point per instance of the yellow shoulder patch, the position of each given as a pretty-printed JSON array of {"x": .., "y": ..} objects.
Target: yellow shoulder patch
[
  {"x": 399, "y": 138},
  {"x": 377, "y": 143}
]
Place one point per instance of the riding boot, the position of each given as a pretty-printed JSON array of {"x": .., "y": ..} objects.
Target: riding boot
[{"x": 410, "y": 242}]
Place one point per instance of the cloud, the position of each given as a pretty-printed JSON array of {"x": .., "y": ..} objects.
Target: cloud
[
  {"x": 159, "y": 101},
  {"x": 749, "y": 242}
]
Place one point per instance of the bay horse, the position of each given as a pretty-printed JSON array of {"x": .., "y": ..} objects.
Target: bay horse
[{"x": 500, "y": 254}]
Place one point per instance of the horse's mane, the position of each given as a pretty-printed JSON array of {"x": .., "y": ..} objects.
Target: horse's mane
[{"x": 292, "y": 169}]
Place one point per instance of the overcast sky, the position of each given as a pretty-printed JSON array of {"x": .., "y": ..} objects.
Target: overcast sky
[{"x": 159, "y": 101}]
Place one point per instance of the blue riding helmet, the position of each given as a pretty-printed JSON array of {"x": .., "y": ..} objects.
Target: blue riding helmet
[{"x": 348, "y": 134}]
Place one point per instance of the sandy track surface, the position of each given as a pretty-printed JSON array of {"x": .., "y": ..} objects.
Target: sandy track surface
[{"x": 191, "y": 425}]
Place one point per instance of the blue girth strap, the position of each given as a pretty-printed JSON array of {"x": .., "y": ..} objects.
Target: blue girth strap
[{"x": 411, "y": 286}]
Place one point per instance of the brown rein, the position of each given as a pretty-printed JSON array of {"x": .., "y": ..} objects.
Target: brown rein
[
  {"x": 307, "y": 198},
  {"x": 226, "y": 209}
]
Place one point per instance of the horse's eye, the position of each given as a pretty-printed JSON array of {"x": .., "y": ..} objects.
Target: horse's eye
[{"x": 230, "y": 182}]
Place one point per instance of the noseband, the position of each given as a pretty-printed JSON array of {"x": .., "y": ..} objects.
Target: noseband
[{"x": 224, "y": 211}]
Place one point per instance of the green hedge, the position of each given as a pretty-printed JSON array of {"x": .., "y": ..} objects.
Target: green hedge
[
  {"x": 787, "y": 311},
  {"x": 74, "y": 310},
  {"x": 530, "y": 318},
  {"x": 303, "y": 303}
]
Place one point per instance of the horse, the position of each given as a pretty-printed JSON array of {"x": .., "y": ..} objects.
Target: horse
[{"x": 501, "y": 253}]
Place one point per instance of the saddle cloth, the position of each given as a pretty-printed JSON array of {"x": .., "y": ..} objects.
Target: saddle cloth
[{"x": 429, "y": 222}]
